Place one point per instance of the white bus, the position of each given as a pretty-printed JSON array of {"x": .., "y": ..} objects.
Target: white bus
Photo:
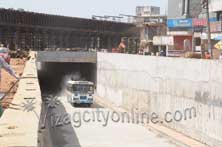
[{"x": 80, "y": 92}]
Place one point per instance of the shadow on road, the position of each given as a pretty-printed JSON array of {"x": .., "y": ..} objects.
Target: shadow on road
[
  {"x": 94, "y": 106},
  {"x": 55, "y": 136}
]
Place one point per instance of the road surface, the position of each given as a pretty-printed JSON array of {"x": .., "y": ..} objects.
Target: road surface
[{"x": 67, "y": 126}]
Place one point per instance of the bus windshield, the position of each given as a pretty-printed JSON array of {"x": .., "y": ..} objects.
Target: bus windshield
[{"x": 83, "y": 88}]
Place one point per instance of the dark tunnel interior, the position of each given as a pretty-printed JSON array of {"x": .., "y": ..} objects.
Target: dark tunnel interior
[{"x": 52, "y": 75}]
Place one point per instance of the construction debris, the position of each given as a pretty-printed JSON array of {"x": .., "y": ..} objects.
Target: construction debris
[{"x": 19, "y": 54}]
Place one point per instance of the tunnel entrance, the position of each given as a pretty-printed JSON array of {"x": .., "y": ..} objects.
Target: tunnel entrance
[
  {"x": 53, "y": 75},
  {"x": 54, "y": 70},
  {"x": 54, "y": 67}
]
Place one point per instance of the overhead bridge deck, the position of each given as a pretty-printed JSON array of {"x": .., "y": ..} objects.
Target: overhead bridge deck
[
  {"x": 68, "y": 57},
  {"x": 25, "y": 30}
]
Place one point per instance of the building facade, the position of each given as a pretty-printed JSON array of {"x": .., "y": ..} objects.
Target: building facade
[
  {"x": 215, "y": 5},
  {"x": 186, "y": 23},
  {"x": 147, "y": 10},
  {"x": 183, "y": 8},
  {"x": 151, "y": 24}
]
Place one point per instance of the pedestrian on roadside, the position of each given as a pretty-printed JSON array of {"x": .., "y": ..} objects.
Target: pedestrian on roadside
[
  {"x": 220, "y": 57},
  {"x": 207, "y": 55}
]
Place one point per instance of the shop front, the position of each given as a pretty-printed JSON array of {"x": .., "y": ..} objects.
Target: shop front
[
  {"x": 216, "y": 35},
  {"x": 181, "y": 30}
]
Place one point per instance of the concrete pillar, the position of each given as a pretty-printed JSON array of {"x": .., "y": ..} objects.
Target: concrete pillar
[
  {"x": 56, "y": 38},
  {"x": 186, "y": 8},
  {"x": 109, "y": 43},
  {"x": 61, "y": 40},
  {"x": 91, "y": 42},
  {"x": 17, "y": 39},
  {"x": 1, "y": 35},
  {"x": 98, "y": 45},
  {"x": 183, "y": 7},
  {"x": 87, "y": 41},
  {"x": 67, "y": 40},
  {"x": 45, "y": 40},
  {"x": 31, "y": 40},
  {"x": 50, "y": 40}
]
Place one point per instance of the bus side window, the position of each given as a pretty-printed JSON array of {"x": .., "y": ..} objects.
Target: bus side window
[
  {"x": 91, "y": 88},
  {"x": 75, "y": 88}
]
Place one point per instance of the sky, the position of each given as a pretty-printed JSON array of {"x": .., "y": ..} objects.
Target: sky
[{"x": 82, "y": 8}]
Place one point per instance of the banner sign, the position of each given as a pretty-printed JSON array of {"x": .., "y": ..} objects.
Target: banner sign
[
  {"x": 188, "y": 23},
  {"x": 199, "y": 22},
  {"x": 180, "y": 23},
  {"x": 216, "y": 26},
  {"x": 202, "y": 22},
  {"x": 163, "y": 40}
]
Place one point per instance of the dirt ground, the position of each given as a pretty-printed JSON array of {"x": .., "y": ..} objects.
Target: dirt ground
[{"x": 7, "y": 81}]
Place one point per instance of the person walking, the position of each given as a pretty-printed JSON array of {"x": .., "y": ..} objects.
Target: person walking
[
  {"x": 220, "y": 57},
  {"x": 207, "y": 55}
]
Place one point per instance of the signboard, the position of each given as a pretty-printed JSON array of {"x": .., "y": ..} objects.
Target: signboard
[
  {"x": 180, "y": 23},
  {"x": 202, "y": 22},
  {"x": 188, "y": 23},
  {"x": 180, "y": 33},
  {"x": 199, "y": 22},
  {"x": 204, "y": 36},
  {"x": 216, "y": 26},
  {"x": 163, "y": 40}
]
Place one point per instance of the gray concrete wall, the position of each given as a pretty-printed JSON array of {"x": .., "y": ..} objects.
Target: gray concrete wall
[
  {"x": 25, "y": 120},
  {"x": 160, "y": 85}
]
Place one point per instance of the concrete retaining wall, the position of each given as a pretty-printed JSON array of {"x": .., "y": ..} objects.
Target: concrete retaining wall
[
  {"x": 24, "y": 123},
  {"x": 160, "y": 85}
]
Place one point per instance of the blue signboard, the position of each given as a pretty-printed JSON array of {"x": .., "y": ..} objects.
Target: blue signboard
[
  {"x": 213, "y": 19},
  {"x": 180, "y": 23},
  {"x": 183, "y": 23}
]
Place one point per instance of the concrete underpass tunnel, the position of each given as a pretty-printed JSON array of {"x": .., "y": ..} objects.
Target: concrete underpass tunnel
[{"x": 53, "y": 75}]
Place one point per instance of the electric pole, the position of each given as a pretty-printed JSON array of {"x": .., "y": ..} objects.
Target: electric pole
[{"x": 205, "y": 5}]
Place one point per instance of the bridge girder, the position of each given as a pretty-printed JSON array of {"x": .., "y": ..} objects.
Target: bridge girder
[{"x": 27, "y": 30}]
